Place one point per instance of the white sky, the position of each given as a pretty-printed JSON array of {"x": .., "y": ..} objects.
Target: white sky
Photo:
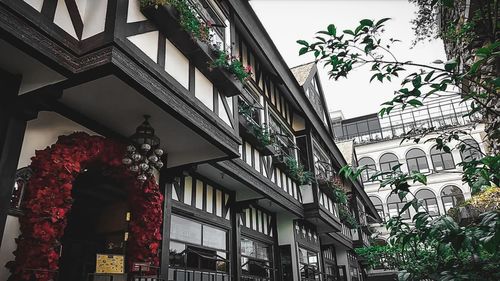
[{"x": 287, "y": 21}]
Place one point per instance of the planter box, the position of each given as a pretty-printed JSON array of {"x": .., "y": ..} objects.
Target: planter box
[
  {"x": 247, "y": 132},
  {"x": 279, "y": 161},
  {"x": 307, "y": 194},
  {"x": 166, "y": 18}
]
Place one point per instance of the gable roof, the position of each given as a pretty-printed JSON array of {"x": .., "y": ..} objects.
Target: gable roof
[
  {"x": 302, "y": 72},
  {"x": 347, "y": 150}
]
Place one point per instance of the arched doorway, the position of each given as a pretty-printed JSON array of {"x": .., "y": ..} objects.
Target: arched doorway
[
  {"x": 97, "y": 224},
  {"x": 49, "y": 201}
]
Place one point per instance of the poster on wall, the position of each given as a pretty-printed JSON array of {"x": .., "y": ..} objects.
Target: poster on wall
[{"x": 110, "y": 263}]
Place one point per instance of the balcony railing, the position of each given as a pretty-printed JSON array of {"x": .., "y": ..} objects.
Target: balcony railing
[{"x": 346, "y": 231}]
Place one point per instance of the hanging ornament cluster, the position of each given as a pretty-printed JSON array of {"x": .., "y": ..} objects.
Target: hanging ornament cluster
[{"x": 144, "y": 155}]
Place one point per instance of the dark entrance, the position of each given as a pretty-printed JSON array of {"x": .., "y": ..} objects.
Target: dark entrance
[{"x": 97, "y": 224}]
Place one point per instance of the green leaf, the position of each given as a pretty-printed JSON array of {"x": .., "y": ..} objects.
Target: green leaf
[
  {"x": 332, "y": 30},
  {"x": 303, "y": 42},
  {"x": 450, "y": 65},
  {"x": 417, "y": 82},
  {"x": 366, "y": 22},
  {"x": 382, "y": 21},
  {"x": 415, "y": 103},
  {"x": 303, "y": 50},
  {"x": 348, "y": 31}
]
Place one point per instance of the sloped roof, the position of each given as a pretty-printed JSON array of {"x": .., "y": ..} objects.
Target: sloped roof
[
  {"x": 347, "y": 150},
  {"x": 301, "y": 72}
]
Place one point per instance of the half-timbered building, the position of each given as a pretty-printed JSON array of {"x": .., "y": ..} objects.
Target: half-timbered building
[{"x": 249, "y": 160}]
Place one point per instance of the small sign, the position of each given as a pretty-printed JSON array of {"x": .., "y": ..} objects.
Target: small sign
[
  {"x": 140, "y": 267},
  {"x": 110, "y": 263}
]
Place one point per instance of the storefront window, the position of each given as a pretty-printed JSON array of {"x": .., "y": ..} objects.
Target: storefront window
[
  {"x": 309, "y": 266},
  {"x": 197, "y": 249},
  {"x": 256, "y": 260}
]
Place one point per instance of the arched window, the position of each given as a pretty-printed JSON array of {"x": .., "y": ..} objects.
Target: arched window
[
  {"x": 370, "y": 170},
  {"x": 451, "y": 196},
  {"x": 441, "y": 160},
  {"x": 428, "y": 201},
  {"x": 417, "y": 161},
  {"x": 394, "y": 205},
  {"x": 378, "y": 206},
  {"x": 387, "y": 162},
  {"x": 470, "y": 151}
]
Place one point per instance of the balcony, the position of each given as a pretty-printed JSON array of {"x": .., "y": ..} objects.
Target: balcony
[
  {"x": 360, "y": 237},
  {"x": 322, "y": 212},
  {"x": 202, "y": 46}
]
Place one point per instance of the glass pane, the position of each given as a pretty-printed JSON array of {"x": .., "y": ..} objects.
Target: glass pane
[
  {"x": 185, "y": 230},
  {"x": 214, "y": 238},
  {"x": 247, "y": 248}
]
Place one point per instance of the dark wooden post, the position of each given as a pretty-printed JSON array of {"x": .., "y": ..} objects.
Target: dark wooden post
[
  {"x": 12, "y": 128},
  {"x": 166, "y": 181}
]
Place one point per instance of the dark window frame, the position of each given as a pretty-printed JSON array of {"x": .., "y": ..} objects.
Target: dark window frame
[
  {"x": 439, "y": 156},
  {"x": 416, "y": 158}
]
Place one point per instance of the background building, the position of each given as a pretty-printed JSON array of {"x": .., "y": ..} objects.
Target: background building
[
  {"x": 237, "y": 206},
  {"x": 379, "y": 146}
]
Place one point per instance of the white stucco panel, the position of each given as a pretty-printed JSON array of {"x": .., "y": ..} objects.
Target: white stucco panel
[
  {"x": 93, "y": 14},
  {"x": 63, "y": 20},
  {"x": 134, "y": 12},
  {"x": 223, "y": 114},
  {"x": 176, "y": 64},
  {"x": 204, "y": 90},
  {"x": 36, "y": 4},
  {"x": 147, "y": 42}
]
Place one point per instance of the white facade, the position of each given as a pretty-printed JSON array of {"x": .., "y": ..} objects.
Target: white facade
[{"x": 437, "y": 178}]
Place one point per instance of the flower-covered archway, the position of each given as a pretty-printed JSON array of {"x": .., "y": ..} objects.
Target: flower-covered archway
[{"x": 48, "y": 200}]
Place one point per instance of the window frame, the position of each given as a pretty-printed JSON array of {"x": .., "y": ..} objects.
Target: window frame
[
  {"x": 399, "y": 206},
  {"x": 425, "y": 201},
  {"x": 366, "y": 172},
  {"x": 420, "y": 156},
  {"x": 454, "y": 196},
  {"x": 434, "y": 152}
]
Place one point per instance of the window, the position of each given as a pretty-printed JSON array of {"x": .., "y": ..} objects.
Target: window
[
  {"x": 309, "y": 265},
  {"x": 417, "y": 161},
  {"x": 370, "y": 170},
  {"x": 428, "y": 201},
  {"x": 394, "y": 205},
  {"x": 441, "y": 160},
  {"x": 284, "y": 138},
  {"x": 451, "y": 196},
  {"x": 388, "y": 161},
  {"x": 378, "y": 206},
  {"x": 471, "y": 150},
  {"x": 197, "y": 246},
  {"x": 256, "y": 260}
]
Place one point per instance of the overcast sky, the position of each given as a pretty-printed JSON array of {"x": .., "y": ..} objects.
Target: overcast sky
[{"x": 286, "y": 21}]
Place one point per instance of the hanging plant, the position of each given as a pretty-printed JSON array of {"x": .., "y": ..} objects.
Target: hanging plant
[
  {"x": 48, "y": 200},
  {"x": 347, "y": 217},
  {"x": 188, "y": 18},
  {"x": 231, "y": 64},
  {"x": 297, "y": 171}
]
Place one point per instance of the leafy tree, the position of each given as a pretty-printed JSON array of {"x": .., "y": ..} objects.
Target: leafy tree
[{"x": 436, "y": 248}]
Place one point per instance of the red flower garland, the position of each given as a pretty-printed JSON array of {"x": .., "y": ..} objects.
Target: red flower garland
[{"x": 48, "y": 200}]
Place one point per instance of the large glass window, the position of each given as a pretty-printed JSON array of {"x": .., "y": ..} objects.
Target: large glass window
[
  {"x": 417, "y": 161},
  {"x": 197, "y": 247},
  {"x": 370, "y": 170},
  {"x": 388, "y": 161},
  {"x": 256, "y": 260},
  {"x": 309, "y": 265},
  {"x": 451, "y": 196},
  {"x": 428, "y": 201},
  {"x": 471, "y": 150},
  {"x": 378, "y": 206},
  {"x": 394, "y": 205},
  {"x": 441, "y": 160}
]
